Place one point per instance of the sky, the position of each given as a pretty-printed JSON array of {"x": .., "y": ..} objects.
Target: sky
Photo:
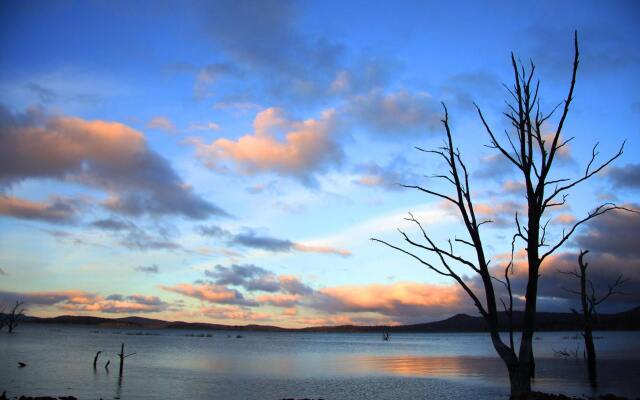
[{"x": 229, "y": 161}]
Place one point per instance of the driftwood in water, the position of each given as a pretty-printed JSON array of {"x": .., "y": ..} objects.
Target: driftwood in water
[
  {"x": 95, "y": 359},
  {"x": 122, "y": 357}
]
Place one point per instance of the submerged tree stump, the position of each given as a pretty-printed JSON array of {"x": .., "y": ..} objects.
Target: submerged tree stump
[
  {"x": 95, "y": 359},
  {"x": 122, "y": 357}
]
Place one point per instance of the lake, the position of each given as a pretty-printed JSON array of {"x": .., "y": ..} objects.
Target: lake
[{"x": 266, "y": 365}]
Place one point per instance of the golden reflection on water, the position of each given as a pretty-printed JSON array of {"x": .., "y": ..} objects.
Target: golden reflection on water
[
  {"x": 423, "y": 366},
  {"x": 344, "y": 365}
]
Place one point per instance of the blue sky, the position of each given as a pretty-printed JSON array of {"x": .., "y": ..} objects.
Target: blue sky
[{"x": 228, "y": 161}]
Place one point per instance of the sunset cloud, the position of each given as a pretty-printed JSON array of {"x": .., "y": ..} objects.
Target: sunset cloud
[
  {"x": 56, "y": 209},
  {"x": 501, "y": 213},
  {"x": 307, "y": 147},
  {"x": 107, "y": 155},
  {"x": 564, "y": 219},
  {"x": 389, "y": 176},
  {"x": 279, "y": 300},
  {"x": 81, "y": 301},
  {"x": 308, "y": 248},
  {"x": 247, "y": 276},
  {"x": 292, "y": 284},
  {"x": 397, "y": 300},
  {"x": 242, "y": 314},
  {"x": 210, "y": 293},
  {"x": 249, "y": 238},
  {"x": 163, "y": 124},
  {"x": 513, "y": 187},
  {"x": 254, "y": 278},
  {"x": 118, "y": 304}
]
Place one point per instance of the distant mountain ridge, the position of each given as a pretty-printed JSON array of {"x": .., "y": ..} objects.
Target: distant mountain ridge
[{"x": 546, "y": 321}]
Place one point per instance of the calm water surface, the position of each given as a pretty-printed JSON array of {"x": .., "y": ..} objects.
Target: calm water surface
[{"x": 169, "y": 363}]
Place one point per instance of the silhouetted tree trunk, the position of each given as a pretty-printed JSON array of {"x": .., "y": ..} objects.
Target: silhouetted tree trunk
[
  {"x": 589, "y": 300},
  {"x": 533, "y": 154},
  {"x": 586, "y": 316}
]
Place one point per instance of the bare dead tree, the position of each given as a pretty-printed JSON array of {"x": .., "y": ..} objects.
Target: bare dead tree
[
  {"x": 3, "y": 318},
  {"x": 14, "y": 316},
  {"x": 528, "y": 150},
  {"x": 122, "y": 357},
  {"x": 589, "y": 301}
]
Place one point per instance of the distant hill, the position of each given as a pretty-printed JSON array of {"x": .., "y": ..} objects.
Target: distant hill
[{"x": 546, "y": 321}]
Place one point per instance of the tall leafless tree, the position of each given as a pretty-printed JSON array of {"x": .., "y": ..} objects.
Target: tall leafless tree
[
  {"x": 533, "y": 154},
  {"x": 14, "y": 316},
  {"x": 589, "y": 300}
]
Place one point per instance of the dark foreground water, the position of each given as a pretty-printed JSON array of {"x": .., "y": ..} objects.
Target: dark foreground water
[{"x": 175, "y": 364}]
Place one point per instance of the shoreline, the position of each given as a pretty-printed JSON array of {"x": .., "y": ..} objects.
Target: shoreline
[{"x": 533, "y": 396}]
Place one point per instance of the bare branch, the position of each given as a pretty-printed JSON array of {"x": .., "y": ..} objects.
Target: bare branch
[
  {"x": 425, "y": 263},
  {"x": 431, "y": 192},
  {"x": 587, "y": 174},
  {"x": 601, "y": 209}
]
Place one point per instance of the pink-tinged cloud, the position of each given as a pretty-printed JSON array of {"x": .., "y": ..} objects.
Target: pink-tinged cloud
[
  {"x": 293, "y": 285},
  {"x": 321, "y": 249},
  {"x": 370, "y": 180},
  {"x": 333, "y": 320},
  {"x": 284, "y": 300},
  {"x": 210, "y": 293},
  {"x": 81, "y": 301},
  {"x": 237, "y": 313},
  {"x": 564, "y": 152},
  {"x": 403, "y": 299},
  {"x": 290, "y": 312},
  {"x": 52, "y": 210},
  {"x": 292, "y": 148},
  {"x": 498, "y": 208},
  {"x": 564, "y": 219},
  {"x": 114, "y": 306},
  {"x": 513, "y": 187},
  {"x": 163, "y": 124},
  {"x": 107, "y": 155},
  {"x": 501, "y": 213},
  {"x": 49, "y": 297}
]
